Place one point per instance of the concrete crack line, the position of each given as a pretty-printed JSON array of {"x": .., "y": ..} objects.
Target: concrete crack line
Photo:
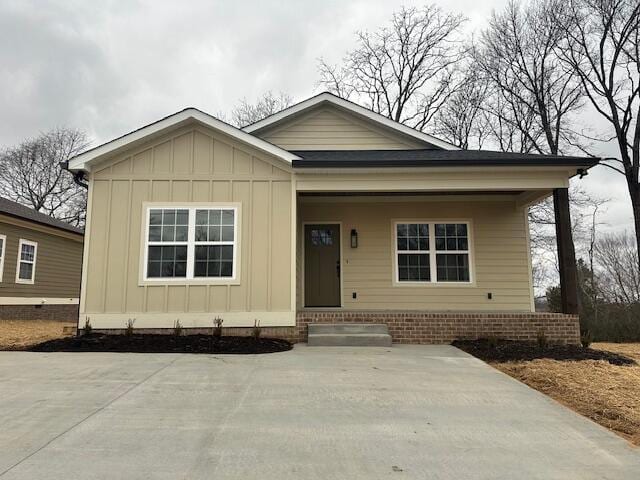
[{"x": 92, "y": 414}]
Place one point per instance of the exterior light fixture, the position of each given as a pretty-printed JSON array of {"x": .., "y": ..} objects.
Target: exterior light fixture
[{"x": 354, "y": 238}]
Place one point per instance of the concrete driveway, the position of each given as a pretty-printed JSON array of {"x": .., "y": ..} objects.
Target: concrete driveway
[{"x": 312, "y": 413}]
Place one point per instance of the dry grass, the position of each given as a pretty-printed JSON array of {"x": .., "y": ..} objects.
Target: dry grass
[
  {"x": 19, "y": 334},
  {"x": 605, "y": 393}
]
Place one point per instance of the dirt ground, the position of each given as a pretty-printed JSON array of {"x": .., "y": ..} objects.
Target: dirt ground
[
  {"x": 19, "y": 334},
  {"x": 608, "y": 394}
]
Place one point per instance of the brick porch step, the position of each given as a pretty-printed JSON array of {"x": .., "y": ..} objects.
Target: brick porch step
[{"x": 348, "y": 335}]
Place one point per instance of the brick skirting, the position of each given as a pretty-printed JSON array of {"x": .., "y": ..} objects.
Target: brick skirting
[
  {"x": 439, "y": 328},
  {"x": 60, "y": 313},
  {"x": 422, "y": 327}
]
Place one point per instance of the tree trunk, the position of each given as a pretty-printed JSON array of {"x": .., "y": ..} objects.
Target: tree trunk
[
  {"x": 566, "y": 252},
  {"x": 634, "y": 193}
]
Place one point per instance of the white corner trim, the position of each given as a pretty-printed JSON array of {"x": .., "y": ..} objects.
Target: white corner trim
[
  {"x": 38, "y": 301},
  {"x": 33, "y": 263},
  {"x": 3, "y": 253},
  {"x": 332, "y": 99},
  {"x": 82, "y": 161}
]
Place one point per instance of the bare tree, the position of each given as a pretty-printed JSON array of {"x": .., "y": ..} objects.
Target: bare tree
[
  {"x": 537, "y": 92},
  {"x": 30, "y": 174},
  {"x": 603, "y": 48},
  {"x": 406, "y": 71},
  {"x": 461, "y": 120},
  {"x": 584, "y": 210},
  {"x": 511, "y": 125},
  {"x": 617, "y": 258},
  {"x": 247, "y": 113}
]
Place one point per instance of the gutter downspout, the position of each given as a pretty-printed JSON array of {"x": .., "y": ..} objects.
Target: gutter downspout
[{"x": 78, "y": 179}]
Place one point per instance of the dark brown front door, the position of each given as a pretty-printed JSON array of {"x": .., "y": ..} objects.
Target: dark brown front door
[{"x": 322, "y": 265}]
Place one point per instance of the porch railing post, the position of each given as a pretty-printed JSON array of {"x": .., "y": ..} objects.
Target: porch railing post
[{"x": 566, "y": 252}]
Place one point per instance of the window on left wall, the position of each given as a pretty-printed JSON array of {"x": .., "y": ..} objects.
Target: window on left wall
[
  {"x": 191, "y": 243},
  {"x": 26, "y": 266}
]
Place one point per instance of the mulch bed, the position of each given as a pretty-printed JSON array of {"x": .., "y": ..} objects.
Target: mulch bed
[
  {"x": 511, "y": 351},
  {"x": 153, "y": 343}
]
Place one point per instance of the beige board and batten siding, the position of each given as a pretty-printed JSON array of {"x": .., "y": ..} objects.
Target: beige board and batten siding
[
  {"x": 192, "y": 164},
  {"x": 58, "y": 262},
  {"x": 499, "y": 254},
  {"x": 329, "y": 128}
]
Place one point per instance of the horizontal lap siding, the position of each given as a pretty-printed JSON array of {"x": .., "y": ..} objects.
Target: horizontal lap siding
[
  {"x": 192, "y": 165},
  {"x": 58, "y": 264},
  {"x": 500, "y": 255},
  {"x": 329, "y": 129}
]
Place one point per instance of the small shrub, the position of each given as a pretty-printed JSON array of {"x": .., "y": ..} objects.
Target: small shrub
[
  {"x": 87, "y": 326},
  {"x": 257, "y": 330},
  {"x": 493, "y": 341},
  {"x": 542, "y": 340},
  {"x": 128, "y": 331},
  {"x": 586, "y": 338},
  {"x": 217, "y": 327},
  {"x": 177, "y": 328}
]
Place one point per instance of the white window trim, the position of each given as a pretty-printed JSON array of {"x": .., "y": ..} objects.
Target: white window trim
[
  {"x": 190, "y": 243},
  {"x": 3, "y": 239},
  {"x": 432, "y": 254},
  {"x": 35, "y": 258}
]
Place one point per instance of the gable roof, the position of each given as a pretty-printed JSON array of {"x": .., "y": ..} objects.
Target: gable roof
[
  {"x": 14, "y": 209},
  {"x": 433, "y": 158},
  {"x": 183, "y": 117},
  {"x": 370, "y": 115}
]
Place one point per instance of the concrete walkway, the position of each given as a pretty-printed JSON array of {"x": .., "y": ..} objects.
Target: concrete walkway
[{"x": 312, "y": 413}]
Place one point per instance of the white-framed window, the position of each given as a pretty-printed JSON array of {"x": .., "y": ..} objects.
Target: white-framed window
[
  {"x": 191, "y": 243},
  {"x": 432, "y": 252},
  {"x": 26, "y": 264},
  {"x": 3, "y": 249}
]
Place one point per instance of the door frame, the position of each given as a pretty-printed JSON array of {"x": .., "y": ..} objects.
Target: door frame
[{"x": 304, "y": 260}]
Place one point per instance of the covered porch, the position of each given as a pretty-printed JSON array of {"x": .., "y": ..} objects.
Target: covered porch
[{"x": 435, "y": 255}]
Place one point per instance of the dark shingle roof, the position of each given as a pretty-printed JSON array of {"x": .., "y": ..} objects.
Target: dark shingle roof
[
  {"x": 14, "y": 209},
  {"x": 431, "y": 158}
]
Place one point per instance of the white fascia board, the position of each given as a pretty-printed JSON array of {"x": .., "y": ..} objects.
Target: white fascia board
[
  {"x": 354, "y": 108},
  {"x": 82, "y": 161}
]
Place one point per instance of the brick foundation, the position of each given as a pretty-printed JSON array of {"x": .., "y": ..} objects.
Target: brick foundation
[
  {"x": 439, "y": 328},
  {"x": 423, "y": 327},
  {"x": 59, "y": 313}
]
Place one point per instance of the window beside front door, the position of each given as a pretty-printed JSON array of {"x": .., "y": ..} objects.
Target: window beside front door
[
  {"x": 191, "y": 243},
  {"x": 432, "y": 252}
]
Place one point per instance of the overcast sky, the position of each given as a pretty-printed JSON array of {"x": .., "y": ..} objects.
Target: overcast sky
[{"x": 111, "y": 66}]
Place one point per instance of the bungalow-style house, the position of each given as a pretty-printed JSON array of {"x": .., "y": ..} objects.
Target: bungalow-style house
[
  {"x": 40, "y": 265},
  {"x": 323, "y": 213}
]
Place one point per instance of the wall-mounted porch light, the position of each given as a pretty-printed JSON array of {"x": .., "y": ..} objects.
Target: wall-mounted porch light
[{"x": 354, "y": 238}]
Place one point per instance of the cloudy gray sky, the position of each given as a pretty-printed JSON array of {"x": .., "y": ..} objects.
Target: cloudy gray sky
[{"x": 111, "y": 66}]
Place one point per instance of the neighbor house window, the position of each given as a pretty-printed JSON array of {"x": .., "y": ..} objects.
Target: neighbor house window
[
  {"x": 191, "y": 243},
  {"x": 26, "y": 266},
  {"x": 3, "y": 248},
  {"x": 431, "y": 252}
]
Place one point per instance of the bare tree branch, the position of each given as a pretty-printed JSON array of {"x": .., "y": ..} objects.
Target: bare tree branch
[
  {"x": 601, "y": 45},
  {"x": 30, "y": 174},
  {"x": 517, "y": 54},
  {"x": 406, "y": 71},
  {"x": 247, "y": 113}
]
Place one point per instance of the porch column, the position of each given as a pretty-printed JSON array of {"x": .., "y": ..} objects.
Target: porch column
[{"x": 566, "y": 252}]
